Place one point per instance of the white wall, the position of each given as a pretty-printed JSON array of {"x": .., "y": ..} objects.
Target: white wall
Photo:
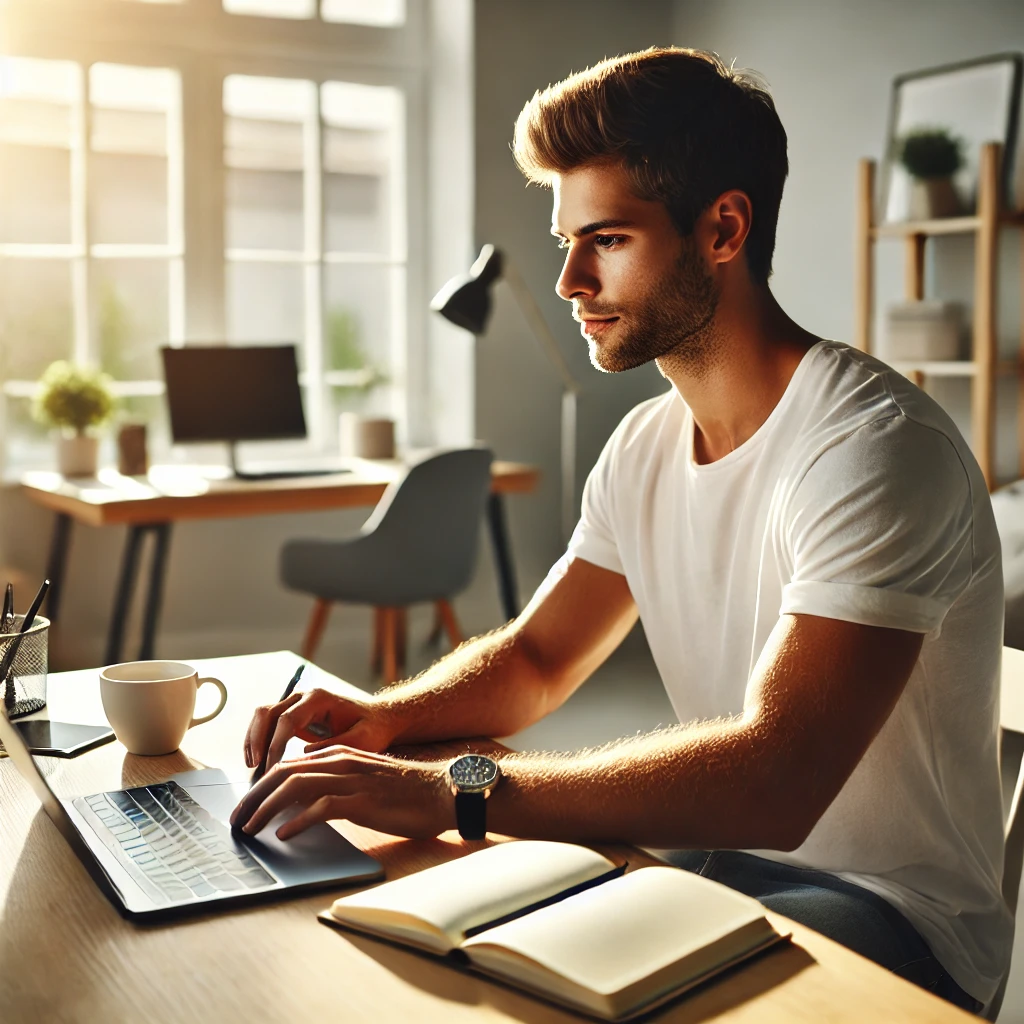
[
  {"x": 830, "y": 65},
  {"x": 523, "y": 45}
]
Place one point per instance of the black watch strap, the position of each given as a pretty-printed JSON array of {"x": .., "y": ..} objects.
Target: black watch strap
[{"x": 471, "y": 815}]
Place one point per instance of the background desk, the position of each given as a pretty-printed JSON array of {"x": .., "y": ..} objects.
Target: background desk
[
  {"x": 66, "y": 955},
  {"x": 151, "y": 505}
]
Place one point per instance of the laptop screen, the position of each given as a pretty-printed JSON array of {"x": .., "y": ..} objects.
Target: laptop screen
[
  {"x": 18, "y": 752},
  {"x": 233, "y": 393}
]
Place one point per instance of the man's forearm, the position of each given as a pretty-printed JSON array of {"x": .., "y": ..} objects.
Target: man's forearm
[
  {"x": 705, "y": 786},
  {"x": 487, "y": 687}
]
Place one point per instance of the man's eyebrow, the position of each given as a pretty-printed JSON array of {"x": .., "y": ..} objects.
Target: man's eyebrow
[{"x": 597, "y": 225}]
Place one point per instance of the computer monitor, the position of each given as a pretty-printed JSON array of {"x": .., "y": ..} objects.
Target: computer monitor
[
  {"x": 237, "y": 393},
  {"x": 233, "y": 393}
]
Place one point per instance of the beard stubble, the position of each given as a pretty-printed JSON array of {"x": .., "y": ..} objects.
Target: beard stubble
[{"x": 675, "y": 323}]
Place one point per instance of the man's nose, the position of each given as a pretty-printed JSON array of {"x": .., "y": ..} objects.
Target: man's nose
[{"x": 576, "y": 280}]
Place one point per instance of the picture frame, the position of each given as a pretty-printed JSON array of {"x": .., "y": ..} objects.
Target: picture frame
[{"x": 976, "y": 101}]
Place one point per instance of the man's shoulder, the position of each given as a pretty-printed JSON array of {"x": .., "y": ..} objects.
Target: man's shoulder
[{"x": 860, "y": 402}]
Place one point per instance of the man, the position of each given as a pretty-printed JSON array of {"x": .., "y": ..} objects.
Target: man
[{"x": 805, "y": 536}]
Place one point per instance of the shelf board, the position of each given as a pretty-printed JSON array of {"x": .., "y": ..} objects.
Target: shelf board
[
  {"x": 939, "y": 226},
  {"x": 942, "y": 225},
  {"x": 953, "y": 367}
]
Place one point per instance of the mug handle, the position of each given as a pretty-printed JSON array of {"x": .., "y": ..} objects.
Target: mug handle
[{"x": 219, "y": 708}]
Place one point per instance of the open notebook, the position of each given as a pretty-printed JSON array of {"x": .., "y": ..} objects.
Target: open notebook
[{"x": 565, "y": 923}]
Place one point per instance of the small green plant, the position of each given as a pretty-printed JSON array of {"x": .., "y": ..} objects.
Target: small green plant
[
  {"x": 930, "y": 153},
  {"x": 345, "y": 351},
  {"x": 73, "y": 397}
]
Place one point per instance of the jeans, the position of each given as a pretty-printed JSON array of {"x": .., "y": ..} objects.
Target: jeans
[{"x": 855, "y": 917}]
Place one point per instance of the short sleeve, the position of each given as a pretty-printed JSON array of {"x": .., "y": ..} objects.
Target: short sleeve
[
  {"x": 880, "y": 529},
  {"x": 594, "y": 537},
  {"x": 593, "y": 540}
]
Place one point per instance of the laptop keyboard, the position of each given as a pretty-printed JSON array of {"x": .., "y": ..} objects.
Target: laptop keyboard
[{"x": 163, "y": 831}]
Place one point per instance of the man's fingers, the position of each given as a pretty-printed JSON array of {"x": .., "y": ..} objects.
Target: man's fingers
[
  {"x": 263, "y": 721},
  {"x": 326, "y": 808},
  {"x": 342, "y": 762},
  {"x": 356, "y": 756},
  {"x": 289, "y": 722},
  {"x": 303, "y": 788},
  {"x": 259, "y": 792}
]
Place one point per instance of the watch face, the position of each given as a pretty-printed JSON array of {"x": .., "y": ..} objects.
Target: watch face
[{"x": 473, "y": 772}]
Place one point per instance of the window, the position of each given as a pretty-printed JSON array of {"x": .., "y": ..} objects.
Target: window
[
  {"x": 155, "y": 190},
  {"x": 90, "y": 242},
  {"x": 315, "y": 244},
  {"x": 357, "y": 12}
]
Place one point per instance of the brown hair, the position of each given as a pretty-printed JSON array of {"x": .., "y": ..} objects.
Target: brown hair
[{"x": 685, "y": 127}]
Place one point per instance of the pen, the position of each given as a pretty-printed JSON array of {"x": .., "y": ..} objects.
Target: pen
[
  {"x": 8, "y": 612},
  {"x": 261, "y": 768}
]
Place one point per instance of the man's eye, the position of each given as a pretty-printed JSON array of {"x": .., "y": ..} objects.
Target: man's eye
[
  {"x": 607, "y": 241},
  {"x": 563, "y": 243}
]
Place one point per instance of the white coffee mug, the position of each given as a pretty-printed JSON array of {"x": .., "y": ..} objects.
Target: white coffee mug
[{"x": 149, "y": 704}]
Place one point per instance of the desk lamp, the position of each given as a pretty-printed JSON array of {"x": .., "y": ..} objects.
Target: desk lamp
[{"x": 466, "y": 301}]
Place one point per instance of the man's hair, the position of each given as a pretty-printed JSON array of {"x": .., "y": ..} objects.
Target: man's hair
[{"x": 683, "y": 125}]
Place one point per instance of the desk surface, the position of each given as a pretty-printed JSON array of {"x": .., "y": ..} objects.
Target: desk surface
[
  {"x": 66, "y": 955},
  {"x": 171, "y": 493}
]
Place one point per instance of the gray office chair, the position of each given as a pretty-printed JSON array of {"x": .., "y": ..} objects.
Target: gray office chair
[{"x": 419, "y": 544}]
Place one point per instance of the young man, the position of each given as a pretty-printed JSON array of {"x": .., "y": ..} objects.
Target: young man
[{"x": 805, "y": 536}]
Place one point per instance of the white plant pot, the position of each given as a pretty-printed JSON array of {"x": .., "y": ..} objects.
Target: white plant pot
[{"x": 78, "y": 455}]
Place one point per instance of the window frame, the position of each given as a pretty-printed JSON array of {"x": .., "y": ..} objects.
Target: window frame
[{"x": 205, "y": 44}]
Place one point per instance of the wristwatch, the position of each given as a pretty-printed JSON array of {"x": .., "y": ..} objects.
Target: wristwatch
[{"x": 472, "y": 778}]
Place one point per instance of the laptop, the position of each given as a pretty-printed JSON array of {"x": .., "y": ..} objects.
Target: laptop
[{"x": 166, "y": 850}]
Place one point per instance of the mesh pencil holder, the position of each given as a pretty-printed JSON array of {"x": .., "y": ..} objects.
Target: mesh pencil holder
[{"x": 24, "y": 689}]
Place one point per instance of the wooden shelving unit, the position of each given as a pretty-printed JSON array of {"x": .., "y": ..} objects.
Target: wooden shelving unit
[{"x": 984, "y": 366}]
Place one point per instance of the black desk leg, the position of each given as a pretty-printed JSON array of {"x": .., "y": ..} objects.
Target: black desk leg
[
  {"x": 502, "y": 555},
  {"x": 123, "y": 596},
  {"x": 56, "y": 563},
  {"x": 161, "y": 542},
  {"x": 126, "y": 586}
]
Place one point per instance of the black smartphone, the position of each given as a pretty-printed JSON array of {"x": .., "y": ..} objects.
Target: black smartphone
[{"x": 61, "y": 739}]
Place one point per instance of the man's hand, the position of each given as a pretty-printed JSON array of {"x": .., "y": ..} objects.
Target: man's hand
[
  {"x": 319, "y": 717},
  {"x": 401, "y": 798}
]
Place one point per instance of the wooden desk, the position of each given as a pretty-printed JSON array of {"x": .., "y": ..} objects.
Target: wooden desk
[
  {"x": 66, "y": 955},
  {"x": 151, "y": 505}
]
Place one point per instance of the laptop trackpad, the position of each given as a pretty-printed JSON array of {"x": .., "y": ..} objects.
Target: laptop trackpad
[{"x": 318, "y": 854}]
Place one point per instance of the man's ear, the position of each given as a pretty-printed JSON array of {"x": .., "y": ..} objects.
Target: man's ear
[{"x": 728, "y": 221}]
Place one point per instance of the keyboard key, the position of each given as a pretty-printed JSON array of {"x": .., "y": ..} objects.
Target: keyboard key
[{"x": 224, "y": 882}]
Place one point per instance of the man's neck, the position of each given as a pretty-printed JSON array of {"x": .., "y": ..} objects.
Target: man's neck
[{"x": 755, "y": 352}]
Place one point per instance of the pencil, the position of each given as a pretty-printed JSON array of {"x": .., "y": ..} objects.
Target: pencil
[{"x": 261, "y": 768}]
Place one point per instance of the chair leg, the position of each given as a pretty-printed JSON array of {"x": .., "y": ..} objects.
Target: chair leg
[
  {"x": 378, "y": 640},
  {"x": 434, "y": 637},
  {"x": 315, "y": 629},
  {"x": 401, "y": 625},
  {"x": 389, "y": 644},
  {"x": 446, "y": 613}
]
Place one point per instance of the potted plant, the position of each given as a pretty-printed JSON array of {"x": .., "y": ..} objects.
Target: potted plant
[
  {"x": 74, "y": 399},
  {"x": 931, "y": 156}
]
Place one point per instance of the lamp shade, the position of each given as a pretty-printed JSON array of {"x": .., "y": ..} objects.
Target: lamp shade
[{"x": 466, "y": 300}]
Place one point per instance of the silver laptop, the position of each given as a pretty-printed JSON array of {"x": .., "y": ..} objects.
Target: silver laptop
[{"x": 166, "y": 849}]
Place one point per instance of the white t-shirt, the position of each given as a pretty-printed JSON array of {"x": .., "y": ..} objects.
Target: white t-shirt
[{"x": 857, "y": 499}]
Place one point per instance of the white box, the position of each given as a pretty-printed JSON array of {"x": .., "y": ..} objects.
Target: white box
[{"x": 922, "y": 331}]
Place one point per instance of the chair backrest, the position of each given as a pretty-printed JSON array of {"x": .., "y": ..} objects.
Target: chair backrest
[
  {"x": 431, "y": 518},
  {"x": 1011, "y": 719}
]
